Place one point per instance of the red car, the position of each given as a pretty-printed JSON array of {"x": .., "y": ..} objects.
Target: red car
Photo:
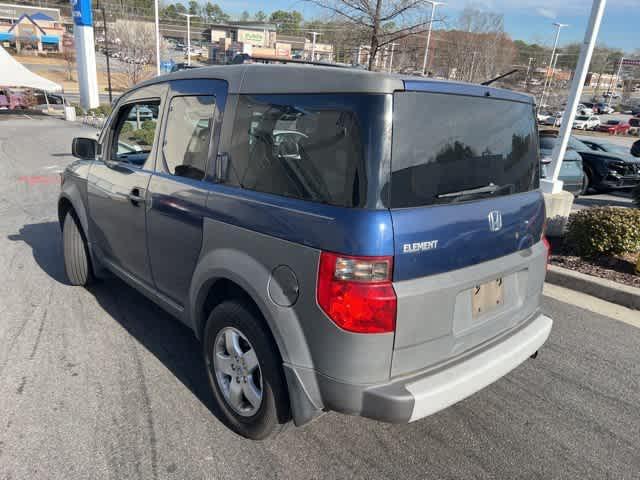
[{"x": 614, "y": 127}]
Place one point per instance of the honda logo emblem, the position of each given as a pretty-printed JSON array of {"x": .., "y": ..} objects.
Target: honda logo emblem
[{"x": 495, "y": 220}]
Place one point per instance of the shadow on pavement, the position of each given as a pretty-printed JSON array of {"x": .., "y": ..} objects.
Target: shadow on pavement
[{"x": 172, "y": 342}]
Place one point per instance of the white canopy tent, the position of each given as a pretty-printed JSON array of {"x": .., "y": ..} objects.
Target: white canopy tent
[{"x": 14, "y": 74}]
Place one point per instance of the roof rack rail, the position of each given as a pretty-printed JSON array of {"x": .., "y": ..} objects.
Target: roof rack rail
[{"x": 245, "y": 57}]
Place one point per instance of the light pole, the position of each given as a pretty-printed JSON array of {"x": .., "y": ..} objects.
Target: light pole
[
  {"x": 552, "y": 75},
  {"x": 615, "y": 82},
  {"x": 553, "y": 185},
  {"x": 426, "y": 49},
  {"x": 313, "y": 45},
  {"x": 553, "y": 52},
  {"x": 188, "y": 15},
  {"x": 393, "y": 47},
  {"x": 155, "y": 6}
]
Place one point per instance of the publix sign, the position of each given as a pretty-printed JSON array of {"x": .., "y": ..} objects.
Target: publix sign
[{"x": 251, "y": 36}]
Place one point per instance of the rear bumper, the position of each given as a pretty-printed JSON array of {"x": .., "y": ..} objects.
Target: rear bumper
[{"x": 424, "y": 393}]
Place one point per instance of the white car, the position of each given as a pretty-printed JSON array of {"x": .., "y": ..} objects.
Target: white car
[
  {"x": 584, "y": 110},
  {"x": 586, "y": 122}
]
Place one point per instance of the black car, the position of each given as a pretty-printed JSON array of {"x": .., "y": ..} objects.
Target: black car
[
  {"x": 608, "y": 166},
  {"x": 635, "y": 148}
]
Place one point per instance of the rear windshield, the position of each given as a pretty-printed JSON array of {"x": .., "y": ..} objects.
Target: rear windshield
[{"x": 451, "y": 148}]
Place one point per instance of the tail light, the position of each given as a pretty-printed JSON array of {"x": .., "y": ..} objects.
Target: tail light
[
  {"x": 546, "y": 243},
  {"x": 356, "y": 293}
]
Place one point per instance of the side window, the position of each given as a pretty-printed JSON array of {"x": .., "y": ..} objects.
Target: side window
[
  {"x": 188, "y": 134},
  {"x": 134, "y": 132},
  {"x": 302, "y": 146}
]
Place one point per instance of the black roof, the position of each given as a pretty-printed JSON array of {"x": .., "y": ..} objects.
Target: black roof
[{"x": 255, "y": 78}]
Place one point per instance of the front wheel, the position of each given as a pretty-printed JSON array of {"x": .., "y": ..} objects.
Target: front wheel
[{"x": 245, "y": 371}]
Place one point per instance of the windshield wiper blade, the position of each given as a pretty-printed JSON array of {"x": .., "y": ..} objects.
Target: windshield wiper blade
[
  {"x": 489, "y": 82},
  {"x": 491, "y": 188}
]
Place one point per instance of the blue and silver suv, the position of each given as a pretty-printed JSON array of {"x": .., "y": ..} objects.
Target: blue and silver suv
[{"x": 337, "y": 239}]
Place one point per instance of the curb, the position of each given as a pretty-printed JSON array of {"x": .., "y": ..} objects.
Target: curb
[{"x": 597, "y": 287}]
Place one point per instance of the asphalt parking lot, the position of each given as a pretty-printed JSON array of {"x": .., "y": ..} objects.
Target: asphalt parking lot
[{"x": 100, "y": 383}]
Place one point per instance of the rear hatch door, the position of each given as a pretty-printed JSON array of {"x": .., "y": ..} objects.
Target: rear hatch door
[{"x": 467, "y": 219}]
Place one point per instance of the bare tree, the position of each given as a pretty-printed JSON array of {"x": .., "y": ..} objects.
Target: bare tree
[
  {"x": 479, "y": 48},
  {"x": 383, "y": 21},
  {"x": 134, "y": 43},
  {"x": 69, "y": 56}
]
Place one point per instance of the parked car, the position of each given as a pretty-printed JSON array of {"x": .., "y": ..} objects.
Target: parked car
[
  {"x": 603, "y": 109},
  {"x": 554, "y": 120},
  {"x": 614, "y": 127},
  {"x": 582, "y": 109},
  {"x": 571, "y": 171},
  {"x": 635, "y": 148},
  {"x": 340, "y": 268},
  {"x": 586, "y": 122},
  {"x": 607, "y": 166},
  {"x": 12, "y": 99},
  {"x": 612, "y": 95}
]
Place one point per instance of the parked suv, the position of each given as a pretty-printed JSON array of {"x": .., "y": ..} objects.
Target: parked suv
[{"x": 337, "y": 239}]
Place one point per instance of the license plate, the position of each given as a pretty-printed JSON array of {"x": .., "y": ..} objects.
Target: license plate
[{"x": 486, "y": 297}]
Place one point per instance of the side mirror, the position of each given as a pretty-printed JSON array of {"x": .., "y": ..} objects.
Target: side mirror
[{"x": 84, "y": 148}]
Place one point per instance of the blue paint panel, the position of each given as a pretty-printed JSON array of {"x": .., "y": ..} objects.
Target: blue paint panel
[
  {"x": 476, "y": 90},
  {"x": 463, "y": 235},
  {"x": 5, "y": 37},
  {"x": 350, "y": 231},
  {"x": 50, "y": 39},
  {"x": 82, "y": 15}
]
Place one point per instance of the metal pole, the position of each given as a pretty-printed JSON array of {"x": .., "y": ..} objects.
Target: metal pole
[
  {"x": 553, "y": 72},
  {"x": 188, "y": 15},
  {"x": 553, "y": 185},
  {"x": 426, "y": 49},
  {"x": 553, "y": 52},
  {"x": 106, "y": 52},
  {"x": 473, "y": 63},
  {"x": 393, "y": 46},
  {"x": 615, "y": 83},
  {"x": 313, "y": 45},
  {"x": 188, "y": 40},
  {"x": 155, "y": 6},
  {"x": 526, "y": 77}
]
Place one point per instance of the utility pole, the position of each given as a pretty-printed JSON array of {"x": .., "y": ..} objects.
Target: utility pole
[
  {"x": 157, "y": 26},
  {"x": 553, "y": 52},
  {"x": 393, "y": 46},
  {"x": 313, "y": 45},
  {"x": 526, "y": 77},
  {"x": 553, "y": 185},
  {"x": 552, "y": 75},
  {"x": 426, "y": 48},
  {"x": 473, "y": 65},
  {"x": 615, "y": 82},
  {"x": 106, "y": 53},
  {"x": 188, "y": 15}
]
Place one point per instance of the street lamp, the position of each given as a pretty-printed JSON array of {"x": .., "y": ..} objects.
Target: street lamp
[
  {"x": 157, "y": 26},
  {"x": 553, "y": 52},
  {"x": 188, "y": 15},
  {"x": 426, "y": 49}
]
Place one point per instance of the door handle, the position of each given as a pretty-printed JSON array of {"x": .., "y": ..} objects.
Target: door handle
[{"x": 136, "y": 196}]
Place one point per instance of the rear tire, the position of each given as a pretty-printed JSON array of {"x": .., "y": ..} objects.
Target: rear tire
[
  {"x": 271, "y": 415},
  {"x": 77, "y": 263}
]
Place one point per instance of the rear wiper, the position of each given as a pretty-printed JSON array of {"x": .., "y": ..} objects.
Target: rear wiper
[
  {"x": 491, "y": 189},
  {"x": 489, "y": 82}
]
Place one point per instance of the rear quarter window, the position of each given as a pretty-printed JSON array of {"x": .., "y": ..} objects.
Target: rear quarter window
[{"x": 316, "y": 147}]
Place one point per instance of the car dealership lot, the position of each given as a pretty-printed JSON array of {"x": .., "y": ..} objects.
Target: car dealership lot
[{"x": 101, "y": 383}]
